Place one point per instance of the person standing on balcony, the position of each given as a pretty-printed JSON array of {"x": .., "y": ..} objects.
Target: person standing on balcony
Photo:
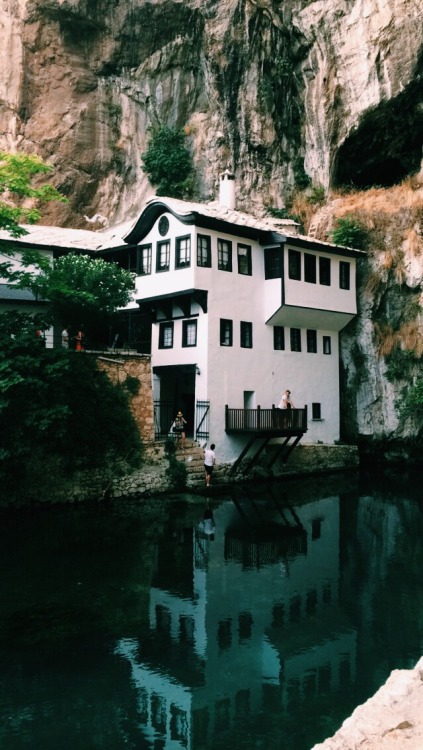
[{"x": 286, "y": 403}]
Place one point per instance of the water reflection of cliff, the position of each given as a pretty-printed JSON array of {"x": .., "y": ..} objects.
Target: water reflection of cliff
[{"x": 242, "y": 621}]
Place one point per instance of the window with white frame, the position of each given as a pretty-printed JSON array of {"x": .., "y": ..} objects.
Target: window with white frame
[
  {"x": 246, "y": 335},
  {"x": 204, "y": 250},
  {"x": 226, "y": 332},
  {"x": 163, "y": 256},
  {"x": 166, "y": 335},
  {"x": 144, "y": 260},
  {"x": 183, "y": 252},
  {"x": 244, "y": 259},
  {"x": 189, "y": 333},
  {"x": 224, "y": 255}
]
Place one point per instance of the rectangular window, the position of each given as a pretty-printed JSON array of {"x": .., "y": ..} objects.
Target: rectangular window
[
  {"x": 225, "y": 332},
  {"x": 324, "y": 271},
  {"x": 310, "y": 268},
  {"x": 316, "y": 411},
  {"x": 166, "y": 336},
  {"x": 344, "y": 275},
  {"x": 132, "y": 259},
  {"x": 224, "y": 255},
  {"x": 246, "y": 339},
  {"x": 312, "y": 342},
  {"x": 295, "y": 339},
  {"x": 189, "y": 333},
  {"x": 279, "y": 338},
  {"x": 244, "y": 259},
  {"x": 183, "y": 252},
  {"x": 294, "y": 265},
  {"x": 272, "y": 263},
  {"x": 145, "y": 260},
  {"x": 203, "y": 251},
  {"x": 163, "y": 256},
  {"x": 326, "y": 345}
]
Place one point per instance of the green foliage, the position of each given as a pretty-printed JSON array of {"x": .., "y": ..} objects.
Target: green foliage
[
  {"x": 168, "y": 163},
  {"x": 57, "y": 403},
  {"x": 411, "y": 403},
  {"x": 399, "y": 364},
  {"x": 177, "y": 470},
  {"x": 302, "y": 180},
  {"x": 79, "y": 289},
  {"x": 349, "y": 232},
  {"x": 317, "y": 195},
  {"x": 131, "y": 385},
  {"x": 17, "y": 172}
]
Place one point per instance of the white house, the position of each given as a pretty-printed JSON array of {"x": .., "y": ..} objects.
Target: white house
[{"x": 241, "y": 309}]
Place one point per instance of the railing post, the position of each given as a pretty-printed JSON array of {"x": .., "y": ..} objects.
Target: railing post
[
  {"x": 226, "y": 416},
  {"x": 258, "y": 417}
]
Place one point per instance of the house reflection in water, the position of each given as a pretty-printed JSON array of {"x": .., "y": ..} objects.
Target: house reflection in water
[{"x": 242, "y": 623}]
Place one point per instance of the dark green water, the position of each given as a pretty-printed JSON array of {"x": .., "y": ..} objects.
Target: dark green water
[{"x": 132, "y": 627}]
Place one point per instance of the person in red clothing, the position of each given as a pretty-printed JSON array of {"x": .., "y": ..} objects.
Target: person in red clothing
[{"x": 79, "y": 339}]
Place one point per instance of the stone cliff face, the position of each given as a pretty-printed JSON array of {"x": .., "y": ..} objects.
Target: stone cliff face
[
  {"x": 268, "y": 88},
  {"x": 283, "y": 93}
]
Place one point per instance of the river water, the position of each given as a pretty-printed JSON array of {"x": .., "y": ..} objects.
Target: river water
[{"x": 259, "y": 619}]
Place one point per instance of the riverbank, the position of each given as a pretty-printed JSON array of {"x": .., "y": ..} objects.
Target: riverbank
[{"x": 392, "y": 719}]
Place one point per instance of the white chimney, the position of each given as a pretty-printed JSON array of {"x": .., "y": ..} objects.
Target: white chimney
[{"x": 227, "y": 189}]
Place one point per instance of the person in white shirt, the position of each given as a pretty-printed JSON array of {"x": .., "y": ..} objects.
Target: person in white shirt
[
  {"x": 209, "y": 462},
  {"x": 286, "y": 402}
]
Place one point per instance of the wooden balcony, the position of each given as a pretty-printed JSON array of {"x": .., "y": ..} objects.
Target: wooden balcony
[{"x": 266, "y": 422}]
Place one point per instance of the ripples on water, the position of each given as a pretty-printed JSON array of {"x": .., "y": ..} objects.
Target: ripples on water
[{"x": 260, "y": 623}]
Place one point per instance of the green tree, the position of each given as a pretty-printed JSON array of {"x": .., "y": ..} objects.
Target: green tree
[
  {"x": 77, "y": 289},
  {"x": 17, "y": 175},
  {"x": 168, "y": 163},
  {"x": 349, "y": 232}
]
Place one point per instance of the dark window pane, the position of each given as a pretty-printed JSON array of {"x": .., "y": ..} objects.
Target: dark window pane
[
  {"x": 294, "y": 265},
  {"x": 310, "y": 268},
  {"x": 145, "y": 260},
  {"x": 189, "y": 333},
  {"x": 295, "y": 339},
  {"x": 166, "y": 336},
  {"x": 326, "y": 345},
  {"x": 272, "y": 263},
  {"x": 203, "y": 251},
  {"x": 224, "y": 255},
  {"x": 312, "y": 341},
  {"x": 183, "y": 252},
  {"x": 163, "y": 256},
  {"x": 244, "y": 259},
  {"x": 225, "y": 332},
  {"x": 246, "y": 335},
  {"x": 316, "y": 411},
  {"x": 279, "y": 338},
  {"x": 324, "y": 271},
  {"x": 344, "y": 275}
]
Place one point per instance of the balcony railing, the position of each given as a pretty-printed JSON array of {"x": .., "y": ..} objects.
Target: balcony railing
[{"x": 277, "y": 421}]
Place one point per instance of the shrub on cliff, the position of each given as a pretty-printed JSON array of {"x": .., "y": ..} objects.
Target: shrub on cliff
[{"x": 168, "y": 163}]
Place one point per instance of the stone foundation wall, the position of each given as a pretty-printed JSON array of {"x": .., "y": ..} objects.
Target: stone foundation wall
[{"x": 121, "y": 366}]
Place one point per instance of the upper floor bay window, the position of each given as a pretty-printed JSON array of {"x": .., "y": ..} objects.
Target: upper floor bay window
[
  {"x": 272, "y": 263},
  {"x": 344, "y": 275},
  {"x": 183, "y": 252},
  {"x": 224, "y": 255},
  {"x": 226, "y": 337},
  {"x": 144, "y": 260},
  {"x": 244, "y": 259},
  {"x": 204, "y": 251},
  {"x": 324, "y": 271},
  {"x": 279, "y": 338},
  {"x": 295, "y": 339},
  {"x": 166, "y": 335},
  {"x": 163, "y": 256},
  {"x": 294, "y": 265},
  {"x": 310, "y": 268},
  {"x": 189, "y": 333},
  {"x": 246, "y": 335}
]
